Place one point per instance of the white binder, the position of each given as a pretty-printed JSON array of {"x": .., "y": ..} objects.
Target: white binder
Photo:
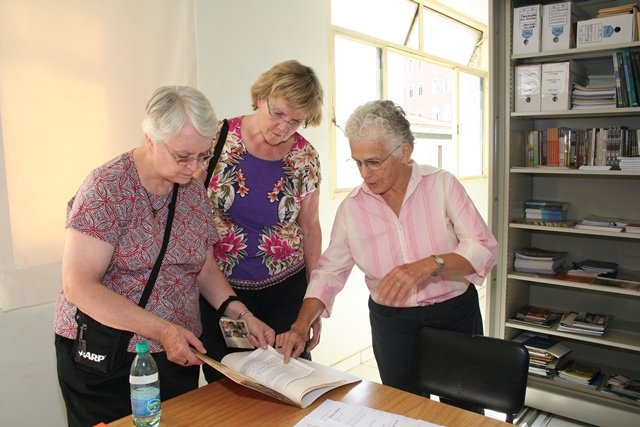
[
  {"x": 607, "y": 30},
  {"x": 526, "y": 29},
  {"x": 557, "y": 84},
  {"x": 557, "y": 25},
  {"x": 527, "y": 93}
]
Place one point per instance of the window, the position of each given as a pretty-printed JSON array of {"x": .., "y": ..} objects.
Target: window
[
  {"x": 435, "y": 86},
  {"x": 446, "y": 84},
  {"x": 388, "y": 57}
]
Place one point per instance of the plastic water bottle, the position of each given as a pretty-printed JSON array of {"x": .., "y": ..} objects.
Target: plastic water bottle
[{"x": 145, "y": 388}]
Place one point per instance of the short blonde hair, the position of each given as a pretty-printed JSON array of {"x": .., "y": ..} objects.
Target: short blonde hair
[{"x": 296, "y": 84}]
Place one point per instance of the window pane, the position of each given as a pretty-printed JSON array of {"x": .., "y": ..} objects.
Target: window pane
[
  {"x": 357, "y": 74},
  {"x": 461, "y": 40},
  {"x": 429, "y": 115},
  {"x": 389, "y": 20},
  {"x": 471, "y": 125}
]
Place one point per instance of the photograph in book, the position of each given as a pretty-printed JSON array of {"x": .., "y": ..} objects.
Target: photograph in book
[
  {"x": 299, "y": 382},
  {"x": 235, "y": 333}
]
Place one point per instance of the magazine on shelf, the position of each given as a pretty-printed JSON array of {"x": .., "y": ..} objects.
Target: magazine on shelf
[
  {"x": 299, "y": 382},
  {"x": 583, "y": 373},
  {"x": 543, "y": 345},
  {"x": 584, "y": 323},
  {"x": 624, "y": 386},
  {"x": 537, "y": 254},
  {"x": 551, "y": 318}
]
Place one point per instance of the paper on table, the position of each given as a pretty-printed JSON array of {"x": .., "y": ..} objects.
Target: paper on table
[{"x": 338, "y": 414}]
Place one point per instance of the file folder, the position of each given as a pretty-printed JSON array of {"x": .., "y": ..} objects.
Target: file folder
[
  {"x": 527, "y": 93},
  {"x": 558, "y": 21},
  {"x": 607, "y": 30},
  {"x": 557, "y": 84},
  {"x": 526, "y": 29}
]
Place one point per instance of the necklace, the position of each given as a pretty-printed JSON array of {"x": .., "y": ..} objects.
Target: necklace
[{"x": 156, "y": 202}]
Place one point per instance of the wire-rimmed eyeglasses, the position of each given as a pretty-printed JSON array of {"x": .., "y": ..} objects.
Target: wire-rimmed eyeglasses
[
  {"x": 371, "y": 164},
  {"x": 281, "y": 118},
  {"x": 185, "y": 160}
]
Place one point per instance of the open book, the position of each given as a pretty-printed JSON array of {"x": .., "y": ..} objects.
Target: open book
[{"x": 299, "y": 382}]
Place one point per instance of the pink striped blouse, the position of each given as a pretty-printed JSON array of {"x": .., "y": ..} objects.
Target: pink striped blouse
[{"x": 437, "y": 217}]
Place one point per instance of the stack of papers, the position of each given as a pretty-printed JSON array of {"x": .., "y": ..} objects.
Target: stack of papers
[
  {"x": 584, "y": 323},
  {"x": 338, "y": 414},
  {"x": 535, "y": 260},
  {"x": 545, "y": 353},
  {"x": 537, "y": 316},
  {"x": 582, "y": 373}
]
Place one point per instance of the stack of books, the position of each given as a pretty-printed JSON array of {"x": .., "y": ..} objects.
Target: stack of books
[
  {"x": 624, "y": 386},
  {"x": 545, "y": 354},
  {"x": 537, "y": 316},
  {"x": 627, "y": 163},
  {"x": 588, "y": 97},
  {"x": 602, "y": 223},
  {"x": 539, "y": 261},
  {"x": 581, "y": 373},
  {"x": 545, "y": 210},
  {"x": 633, "y": 227},
  {"x": 594, "y": 266},
  {"x": 584, "y": 323}
]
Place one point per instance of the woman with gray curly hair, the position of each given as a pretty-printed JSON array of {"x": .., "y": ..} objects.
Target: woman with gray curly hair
[{"x": 417, "y": 236}]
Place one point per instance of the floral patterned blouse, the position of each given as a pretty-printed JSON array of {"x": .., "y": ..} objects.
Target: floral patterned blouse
[
  {"x": 112, "y": 205},
  {"x": 257, "y": 204}
]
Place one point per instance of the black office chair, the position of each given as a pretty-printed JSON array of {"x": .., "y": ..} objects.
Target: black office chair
[{"x": 476, "y": 370}]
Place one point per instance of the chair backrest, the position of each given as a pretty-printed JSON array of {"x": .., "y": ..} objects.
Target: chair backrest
[{"x": 487, "y": 372}]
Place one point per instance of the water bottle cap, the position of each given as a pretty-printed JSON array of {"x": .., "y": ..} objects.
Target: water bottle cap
[{"x": 142, "y": 347}]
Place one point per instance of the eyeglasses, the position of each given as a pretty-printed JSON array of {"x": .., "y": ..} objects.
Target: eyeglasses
[
  {"x": 280, "y": 117},
  {"x": 371, "y": 164},
  {"x": 185, "y": 160}
]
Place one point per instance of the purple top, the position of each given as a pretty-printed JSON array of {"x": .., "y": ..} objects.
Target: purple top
[{"x": 257, "y": 204}]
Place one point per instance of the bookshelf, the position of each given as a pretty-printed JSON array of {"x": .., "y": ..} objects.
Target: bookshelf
[{"x": 607, "y": 193}]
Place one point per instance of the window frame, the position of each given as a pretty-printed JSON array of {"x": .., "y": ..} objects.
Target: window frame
[{"x": 415, "y": 56}]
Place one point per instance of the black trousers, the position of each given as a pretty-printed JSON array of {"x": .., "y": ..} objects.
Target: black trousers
[
  {"x": 277, "y": 306},
  {"x": 394, "y": 333},
  {"x": 92, "y": 398}
]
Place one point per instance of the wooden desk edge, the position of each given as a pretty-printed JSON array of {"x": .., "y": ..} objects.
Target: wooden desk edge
[{"x": 226, "y": 403}]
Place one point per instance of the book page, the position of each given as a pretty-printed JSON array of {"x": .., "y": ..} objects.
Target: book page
[
  {"x": 304, "y": 381},
  {"x": 267, "y": 367}
]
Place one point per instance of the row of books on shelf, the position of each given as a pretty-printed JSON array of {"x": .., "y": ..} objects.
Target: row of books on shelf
[
  {"x": 550, "y": 358},
  {"x": 545, "y": 261},
  {"x": 550, "y": 212},
  {"x": 626, "y": 73},
  {"x": 612, "y": 147},
  {"x": 618, "y": 90},
  {"x": 583, "y": 323}
]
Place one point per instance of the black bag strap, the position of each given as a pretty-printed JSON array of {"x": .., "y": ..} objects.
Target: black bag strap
[
  {"x": 222, "y": 136},
  {"x": 165, "y": 241}
]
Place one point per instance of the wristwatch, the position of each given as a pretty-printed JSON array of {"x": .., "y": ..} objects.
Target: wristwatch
[{"x": 440, "y": 263}]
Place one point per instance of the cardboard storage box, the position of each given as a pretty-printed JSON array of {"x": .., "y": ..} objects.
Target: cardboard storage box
[{"x": 608, "y": 30}]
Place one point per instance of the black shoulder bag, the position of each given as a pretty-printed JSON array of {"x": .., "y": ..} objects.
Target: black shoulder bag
[
  {"x": 102, "y": 349},
  {"x": 222, "y": 136}
]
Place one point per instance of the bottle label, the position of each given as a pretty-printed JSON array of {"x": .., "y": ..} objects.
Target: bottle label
[
  {"x": 145, "y": 401},
  {"x": 143, "y": 379}
]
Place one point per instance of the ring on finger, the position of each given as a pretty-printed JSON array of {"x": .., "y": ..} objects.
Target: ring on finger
[{"x": 397, "y": 284}]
